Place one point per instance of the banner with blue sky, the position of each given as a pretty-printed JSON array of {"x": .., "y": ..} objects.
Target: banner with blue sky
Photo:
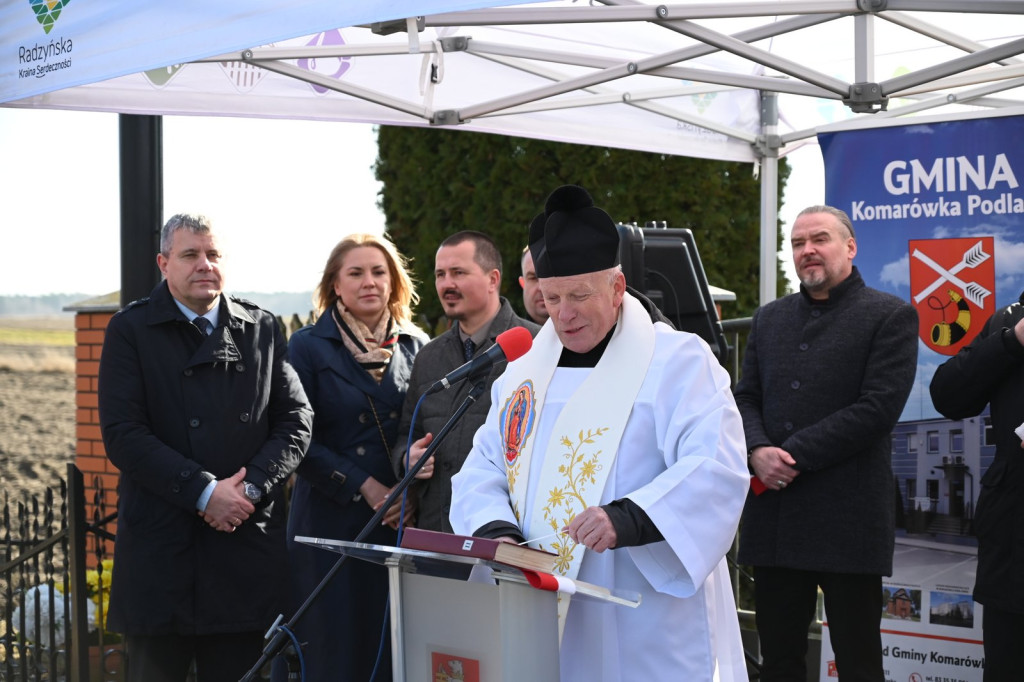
[{"x": 939, "y": 215}]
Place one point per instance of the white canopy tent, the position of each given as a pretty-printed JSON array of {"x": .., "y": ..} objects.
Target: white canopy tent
[{"x": 742, "y": 81}]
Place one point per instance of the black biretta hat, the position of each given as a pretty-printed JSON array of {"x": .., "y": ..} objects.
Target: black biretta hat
[{"x": 572, "y": 236}]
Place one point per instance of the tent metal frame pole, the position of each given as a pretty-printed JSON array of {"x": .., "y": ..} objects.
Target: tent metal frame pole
[
  {"x": 646, "y": 65},
  {"x": 750, "y": 35},
  {"x": 936, "y": 33},
  {"x": 961, "y": 80},
  {"x": 483, "y": 48},
  {"x": 646, "y": 101},
  {"x": 864, "y": 52},
  {"x": 801, "y": 86},
  {"x": 624, "y": 70},
  {"x": 975, "y": 97},
  {"x": 665, "y": 12},
  {"x": 754, "y": 54},
  {"x": 656, "y": 108},
  {"x": 713, "y": 41},
  {"x": 932, "y": 74},
  {"x": 259, "y": 54},
  {"x": 978, "y": 96},
  {"x": 258, "y": 57},
  {"x": 953, "y": 6},
  {"x": 769, "y": 196},
  {"x": 598, "y": 97},
  {"x": 672, "y": 17},
  {"x": 864, "y": 49},
  {"x": 864, "y": 66},
  {"x": 339, "y": 86}
]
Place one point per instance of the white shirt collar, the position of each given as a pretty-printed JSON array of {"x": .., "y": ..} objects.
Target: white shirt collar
[{"x": 213, "y": 316}]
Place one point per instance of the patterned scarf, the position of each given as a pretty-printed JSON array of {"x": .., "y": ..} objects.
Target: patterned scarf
[{"x": 372, "y": 350}]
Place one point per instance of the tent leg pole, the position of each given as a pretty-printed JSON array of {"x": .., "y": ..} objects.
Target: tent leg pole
[{"x": 769, "y": 196}]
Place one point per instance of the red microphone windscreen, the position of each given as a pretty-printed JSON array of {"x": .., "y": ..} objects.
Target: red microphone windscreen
[{"x": 514, "y": 342}]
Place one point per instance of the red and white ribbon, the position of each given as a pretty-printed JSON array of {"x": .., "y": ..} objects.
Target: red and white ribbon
[{"x": 550, "y": 582}]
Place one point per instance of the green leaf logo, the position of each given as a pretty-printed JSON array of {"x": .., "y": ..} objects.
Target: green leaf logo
[
  {"x": 48, "y": 11},
  {"x": 160, "y": 77}
]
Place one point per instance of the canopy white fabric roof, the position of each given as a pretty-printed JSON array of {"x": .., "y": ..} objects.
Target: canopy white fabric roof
[{"x": 686, "y": 78}]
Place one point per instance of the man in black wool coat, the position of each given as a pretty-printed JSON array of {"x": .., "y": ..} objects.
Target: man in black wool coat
[{"x": 826, "y": 375}]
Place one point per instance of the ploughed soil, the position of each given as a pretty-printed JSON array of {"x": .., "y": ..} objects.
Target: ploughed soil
[{"x": 37, "y": 418}]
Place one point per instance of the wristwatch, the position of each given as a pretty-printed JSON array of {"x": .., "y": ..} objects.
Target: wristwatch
[{"x": 252, "y": 491}]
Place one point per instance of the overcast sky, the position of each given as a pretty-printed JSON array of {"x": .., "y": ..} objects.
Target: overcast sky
[{"x": 282, "y": 193}]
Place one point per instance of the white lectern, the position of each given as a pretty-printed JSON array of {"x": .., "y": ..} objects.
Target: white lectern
[{"x": 458, "y": 617}]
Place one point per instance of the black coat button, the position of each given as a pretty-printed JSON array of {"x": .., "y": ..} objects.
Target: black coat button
[
  {"x": 244, "y": 417},
  {"x": 194, "y": 422},
  {"x": 188, "y": 372},
  {"x": 239, "y": 367}
]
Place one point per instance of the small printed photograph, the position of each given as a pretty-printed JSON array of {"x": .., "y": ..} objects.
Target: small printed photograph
[
  {"x": 951, "y": 608},
  {"x": 901, "y": 603}
]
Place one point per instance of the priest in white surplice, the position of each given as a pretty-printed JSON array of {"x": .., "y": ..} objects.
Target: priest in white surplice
[{"x": 624, "y": 433}]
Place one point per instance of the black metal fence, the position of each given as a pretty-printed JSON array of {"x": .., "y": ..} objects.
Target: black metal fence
[{"x": 52, "y": 598}]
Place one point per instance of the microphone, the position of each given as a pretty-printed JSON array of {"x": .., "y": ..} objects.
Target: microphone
[{"x": 509, "y": 345}]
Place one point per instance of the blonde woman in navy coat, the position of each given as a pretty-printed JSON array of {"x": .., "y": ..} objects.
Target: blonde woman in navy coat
[{"x": 354, "y": 364}]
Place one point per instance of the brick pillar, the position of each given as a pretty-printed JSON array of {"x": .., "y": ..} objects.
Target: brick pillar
[
  {"x": 90, "y": 456},
  {"x": 91, "y": 318}
]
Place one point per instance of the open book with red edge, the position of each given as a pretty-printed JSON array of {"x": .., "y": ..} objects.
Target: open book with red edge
[{"x": 519, "y": 556}]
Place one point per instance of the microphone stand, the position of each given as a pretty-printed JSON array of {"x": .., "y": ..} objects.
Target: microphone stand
[{"x": 278, "y": 635}]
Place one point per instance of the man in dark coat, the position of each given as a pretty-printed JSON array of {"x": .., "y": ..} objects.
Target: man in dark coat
[
  {"x": 533, "y": 297},
  {"x": 826, "y": 374},
  {"x": 467, "y": 275},
  {"x": 990, "y": 370},
  {"x": 205, "y": 425}
]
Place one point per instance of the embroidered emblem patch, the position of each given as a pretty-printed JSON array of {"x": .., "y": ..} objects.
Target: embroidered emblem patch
[{"x": 517, "y": 417}]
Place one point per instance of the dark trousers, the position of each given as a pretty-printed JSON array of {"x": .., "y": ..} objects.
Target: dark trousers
[
  {"x": 167, "y": 658},
  {"x": 1004, "y": 638},
  {"x": 785, "y": 600}
]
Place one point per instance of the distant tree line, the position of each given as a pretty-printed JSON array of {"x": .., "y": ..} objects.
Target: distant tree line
[
  {"x": 284, "y": 304},
  {"x": 46, "y": 304}
]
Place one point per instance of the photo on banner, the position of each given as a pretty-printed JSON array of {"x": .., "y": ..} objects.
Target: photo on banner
[{"x": 939, "y": 216}]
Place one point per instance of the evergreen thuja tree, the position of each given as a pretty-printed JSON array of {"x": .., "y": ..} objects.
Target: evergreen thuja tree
[{"x": 439, "y": 181}]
